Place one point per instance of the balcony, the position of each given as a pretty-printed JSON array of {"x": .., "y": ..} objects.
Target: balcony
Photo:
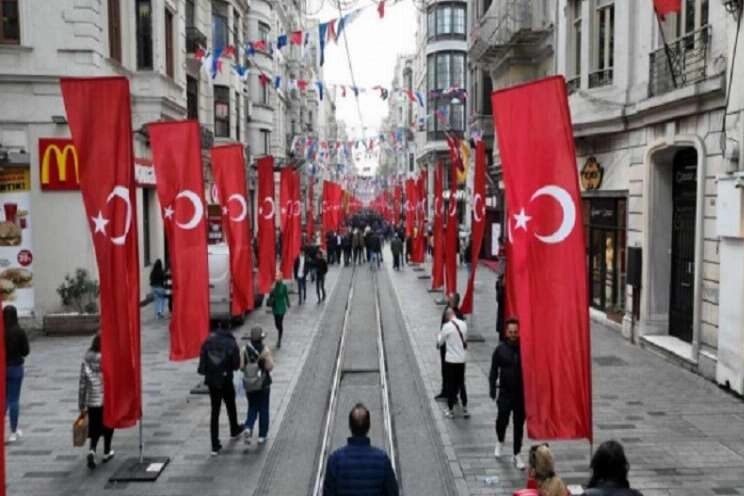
[
  {"x": 602, "y": 77},
  {"x": 682, "y": 62},
  {"x": 512, "y": 29},
  {"x": 195, "y": 39}
]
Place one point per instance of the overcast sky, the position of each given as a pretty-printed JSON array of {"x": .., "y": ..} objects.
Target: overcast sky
[{"x": 374, "y": 45}]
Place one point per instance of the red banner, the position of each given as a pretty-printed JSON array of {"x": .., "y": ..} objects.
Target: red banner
[
  {"x": 290, "y": 205},
  {"x": 310, "y": 210},
  {"x": 410, "y": 206},
  {"x": 398, "y": 193},
  {"x": 451, "y": 236},
  {"x": 664, "y": 7},
  {"x": 296, "y": 233},
  {"x": 547, "y": 275},
  {"x": 266, "y": 226},
  {"x": 479, "y": 222},
  {"x": 176, "y": 155},
  {"x": 419, "y": 253},
  {"x": 99, "y": 115},
  {"x": 228, "y": 164},
  {"x": 437, "y": 268}
]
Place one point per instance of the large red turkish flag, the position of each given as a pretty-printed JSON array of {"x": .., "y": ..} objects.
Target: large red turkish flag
[
  {"x": 664, "y": 7},
  {"x": 410, "y": 206},
  {"x": 310, "y": 212},
  {"x": 479, "y": 222},
  {"x": 99, "y": 113},
  {"x": 397, "y": 194},
  {"x": 296, "y": 232},
  {"x": 228, "y": 164},
  {"x": 421, "y": 218},
  {"x": 266, "y": 226},
  {"x": 437, "y": 268},
  {"x": 176, "y": 156},
  {"x": 286, "y": 183},
  {"x": 451, "y": 235},
  {"x": 546, "y": 275}
]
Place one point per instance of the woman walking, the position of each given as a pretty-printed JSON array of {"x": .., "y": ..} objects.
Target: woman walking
[
  {"x": 257, "y": 364},
  {"x": 16, "y": 349},
  {"x": 279, "y": 303},
  {"x": 90, "y": 401},
  {"x": 157, "y": 283},
  {"x": 321, "y": 269}
]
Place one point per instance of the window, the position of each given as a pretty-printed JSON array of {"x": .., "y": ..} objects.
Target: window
[
  {"x": 293, "y": 127},
  {"x": 222, "y": 111},
  {"x": 190, "y": 13},
  {"x": 694, "y": 15},
  {"x": 446, "y": 69},
  {"x": 219, "y": 30},
  {"x": 266, "y": 141},
  {"x": 10, "y": 27},
  {"x": 265, "y": 96},
  {"x": 446, "y": 20},
  {"x": 575, "y": 37},
  {"x": 144, "y": 34},
  {"x": 114, "y": 27},
  {"x": 487, "y": 88},
  {"x": 237, "y": 116},
  {"x": 604, "y": 19},
  {"x": 192, "y": 98},
  {"x": 169, "y": 43},
  {"x": 264, "y": 31}
]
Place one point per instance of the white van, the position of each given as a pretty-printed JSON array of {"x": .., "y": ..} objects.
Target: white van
[{"x": 219, "y": 282}]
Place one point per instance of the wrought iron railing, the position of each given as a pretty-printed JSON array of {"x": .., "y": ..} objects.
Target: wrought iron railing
[
  {"x": 195, "y": 39},
  {"x": 602, "y": 77},
  {"x": 681, "y": 62},
  {"x": 506, "y": 18},
  {"x": 573, "y": 84}
]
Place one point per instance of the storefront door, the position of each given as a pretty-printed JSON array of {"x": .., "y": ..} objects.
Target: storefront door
[{"x": 684, "y": 191}]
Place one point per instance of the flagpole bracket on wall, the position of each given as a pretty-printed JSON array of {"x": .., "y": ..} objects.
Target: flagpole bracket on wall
[{"x": 146, "y": 469}]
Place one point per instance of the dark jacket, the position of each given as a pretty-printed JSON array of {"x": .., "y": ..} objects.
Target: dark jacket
[
  {"x": 610, "y": 489},
  {"x": 396, "y": 245},
  {"x": 297, "y": 267},
  {"x": 321, "y": 267},
  {"x": 16, "y": 341},
  {"x": 220, "y": 342},
  {"x": 506, "y": 367},
  {"x": 359, "y": 469}
]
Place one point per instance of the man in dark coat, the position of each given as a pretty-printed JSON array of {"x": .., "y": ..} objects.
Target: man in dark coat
[
  {"x": 506, "y": 375},
  {"x": 359, "y": 468}
]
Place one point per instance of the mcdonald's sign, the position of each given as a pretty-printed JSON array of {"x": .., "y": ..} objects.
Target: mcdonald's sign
[{"x": 58, "y": 163}]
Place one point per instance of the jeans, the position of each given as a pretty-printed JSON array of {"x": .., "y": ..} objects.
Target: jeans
[
  {"x": 13, "y": 380},
  {"x": 320, "y": 286},
  {"x": 279, "y": 323},
  {"x": 258, "y": 406},
  {"x": 159, "y": 294},
  {"x": 302, "y": 288},
  {"x": 506, "y": 406},
  {"x": 96, "y": 429},
  {"x": 216, "y": 396}
]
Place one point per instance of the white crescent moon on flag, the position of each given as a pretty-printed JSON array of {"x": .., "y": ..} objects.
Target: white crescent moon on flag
[
  {"x": 198, "y": 209},
  {"x": 568, "y": 208},
  {"x": 270, "y": 200},
  {"x": 122, "y": 193},
  {"x": 452, "y": 207},
  {"x": 297, "y": 208},
  {"x": 243, "y": 207},
  {"x": 478, "y": 211}
]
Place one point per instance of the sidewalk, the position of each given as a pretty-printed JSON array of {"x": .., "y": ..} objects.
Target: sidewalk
[
  {"x": 682, "y": 435},
  {"x": 176, "y": 423}
]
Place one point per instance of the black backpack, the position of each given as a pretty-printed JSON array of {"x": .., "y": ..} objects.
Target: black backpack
[{"x": 214, "y": 363}]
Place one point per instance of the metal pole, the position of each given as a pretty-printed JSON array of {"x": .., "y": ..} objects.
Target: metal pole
[
  {"x": 141, "y": 443},
  {"x": 666, "y": 50}
]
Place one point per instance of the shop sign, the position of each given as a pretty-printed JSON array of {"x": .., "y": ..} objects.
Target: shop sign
[
  {"x": 59, "y": 166},
  {"x": 591, "y": 175},
  {"x": 16, "y": 253}
]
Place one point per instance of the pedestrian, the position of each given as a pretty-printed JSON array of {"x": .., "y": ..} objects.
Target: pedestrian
[
  {"x": 301, "y": 270},
  {"x": 347, "y": 248},
  {"x": 90, "y": 402},
  {"x": 339, "y": 247},
  {"x": 541, "y": 474},
  {"x": 610, "y": 472},
  {"x": 321, "y": 269},
  {"x": 168, "y": 287},
  {"x": 359, "y": 468},
  {"x": 453, "y": 302},
  {"x": 257, "y": 364},
  {"x": 506, "y": 375},
  {"x": 331, "y": 246},
  {"x": 467, "y": 256},
  {"x": 409, "y": 250},
  {"x": 157, "y": 284},
  {"x": 219, "y": 358},
  {"x": 453, "y": 336},
  {"x": 279, "y": 303},
  {"x": 16, "y": 351},
  {"x": 396, "y": 246}
]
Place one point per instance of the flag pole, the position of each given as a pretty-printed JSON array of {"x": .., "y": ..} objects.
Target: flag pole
[{"x": 666, "y": 50}]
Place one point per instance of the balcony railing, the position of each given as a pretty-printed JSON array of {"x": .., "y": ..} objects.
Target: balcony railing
[
  {"x": 195, "y": 39},
  {"x": 681, "y": 62},
  {"x": 602, "y": 77},
  {"x": 573, "y": 84}
]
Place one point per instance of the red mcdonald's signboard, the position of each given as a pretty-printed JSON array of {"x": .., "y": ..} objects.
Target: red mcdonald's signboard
[{"x": 58, "y": 165}]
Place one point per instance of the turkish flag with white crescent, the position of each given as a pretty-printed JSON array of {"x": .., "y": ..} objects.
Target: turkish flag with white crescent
[
  {"x": 286, "y": 198},
  {"x": 437, "y": 268},
  {"x": 421, "y": 218},
  {"x": 228, "y": 164},
  {"x": 99, "y": 115},
  {"x": 479, "y": 222},
  {"x": 296, "y": 231},
  {"x": 547, "y": 275},
  {"x": 310, "y": 212},
  {"x": 451, "y": 235},
  {"x": 176, "y": 156},
  {"x": 397, "y": 194},
  {"x": 266, "y": 226},
  {"x": 326, "y": 211},
  {"x": 410, "y": 206}
]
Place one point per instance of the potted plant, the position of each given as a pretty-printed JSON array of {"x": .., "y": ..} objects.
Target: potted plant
[{"x": 79, "y": 294}]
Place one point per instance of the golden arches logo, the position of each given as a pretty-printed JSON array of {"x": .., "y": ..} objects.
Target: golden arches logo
[{"x": 60, "y": 155}]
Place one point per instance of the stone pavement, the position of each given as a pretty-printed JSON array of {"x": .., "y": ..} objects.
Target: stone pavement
[
  {"x": 682, "y": 434},
  {"x": 176, "y": 423}
]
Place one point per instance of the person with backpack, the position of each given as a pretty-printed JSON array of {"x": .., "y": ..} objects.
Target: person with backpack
[
  {"x": 279, "y": 303},
  {"x": 219, "y": 357},
  {"x": 257, "y": 364}
]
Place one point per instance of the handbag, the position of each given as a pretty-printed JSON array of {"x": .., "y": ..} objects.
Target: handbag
[
  {"x": 270, "y": 300},
  {"x": 80, "y": 430}
]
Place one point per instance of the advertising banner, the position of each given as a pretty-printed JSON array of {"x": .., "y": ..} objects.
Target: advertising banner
[{"x": 16, "y": 255}]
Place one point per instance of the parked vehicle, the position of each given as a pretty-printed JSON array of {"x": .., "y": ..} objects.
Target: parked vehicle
[{"x": 218, "y": 256}]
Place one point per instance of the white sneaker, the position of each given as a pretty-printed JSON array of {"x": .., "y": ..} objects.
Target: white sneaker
[
  {"x": 518, "y": 462},
  {"x": 261, "y": 440},
  {"x": 449, "y": 414},
  {"x": 13, "y": 437},
  {"x": 497, "y": 449},
  {"x": 19, "y": 433},
  {"x": 247, "y": 436}
]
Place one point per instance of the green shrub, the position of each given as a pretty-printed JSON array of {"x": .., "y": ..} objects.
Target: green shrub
[{"x": 80, "y": 292}]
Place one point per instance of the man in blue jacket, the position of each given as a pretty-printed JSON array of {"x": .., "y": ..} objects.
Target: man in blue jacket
[{"x": 359, "y": 469}]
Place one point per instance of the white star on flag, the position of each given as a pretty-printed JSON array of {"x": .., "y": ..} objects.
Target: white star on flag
[
  {"x": 522, "y": 219},
  {"x": 100, "y": 223},
  {"x": 168, "y": 213}
]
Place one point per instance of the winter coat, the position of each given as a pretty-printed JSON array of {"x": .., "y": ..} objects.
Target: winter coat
[
  {"x": 280, "y": 296},
  {"x": 90, "y": 386},
  {"x": 359, "y": 469},
  {"x": 506, "y": 368},
  {"x": 396, "y": 246},
  {"x": 225, "y": 341},
  {"x": 321, "y": 267}
]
